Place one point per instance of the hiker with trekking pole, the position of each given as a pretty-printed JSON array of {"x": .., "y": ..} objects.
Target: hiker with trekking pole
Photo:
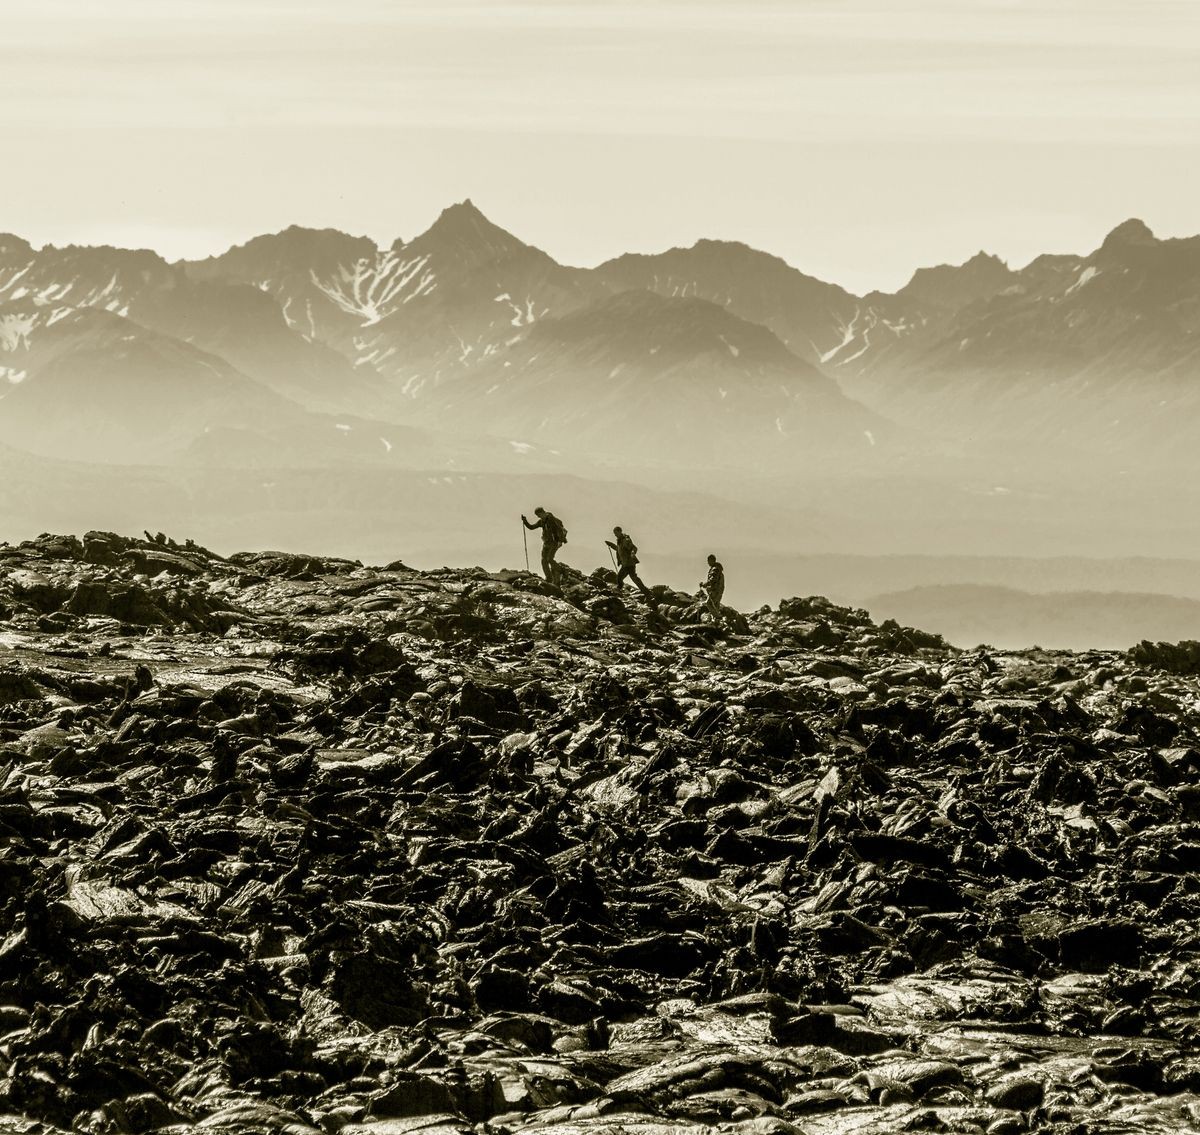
[
  {"x": 624, "y": 553},
  {"x": 554, "y": 536}
]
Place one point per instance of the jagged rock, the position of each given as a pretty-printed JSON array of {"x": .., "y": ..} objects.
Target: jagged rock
[{"x": 318, "y": 845}]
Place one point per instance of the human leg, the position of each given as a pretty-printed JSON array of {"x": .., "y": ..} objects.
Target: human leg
[{"x": 641, "y": 586}]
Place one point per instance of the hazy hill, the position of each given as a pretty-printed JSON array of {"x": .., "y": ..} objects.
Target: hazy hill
[
  {"x": 86, "y": 384},
  {"x": 967, "y": 615},
  {"x": 808, "y": 315},
  {"x": 638, "y": 376},
  {"x": 89, "y": 384}
]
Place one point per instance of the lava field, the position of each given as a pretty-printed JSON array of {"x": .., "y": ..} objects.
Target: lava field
[{"x": 293, "y": 845}]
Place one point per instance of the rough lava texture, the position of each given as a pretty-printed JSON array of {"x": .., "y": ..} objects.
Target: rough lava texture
[{"x": 291, "y": 845}]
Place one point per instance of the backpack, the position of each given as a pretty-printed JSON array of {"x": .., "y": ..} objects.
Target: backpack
[{"x": 558, "y": 534}]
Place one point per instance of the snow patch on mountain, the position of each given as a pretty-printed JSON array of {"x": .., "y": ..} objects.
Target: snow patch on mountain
[
  {"x": 848, "y": 333},
  {"x": 373, "y": 287},
  {"x": 1089, "y": 273},
  {"x": 15, "y": 331},
  {"x": 523, "y": 316}
]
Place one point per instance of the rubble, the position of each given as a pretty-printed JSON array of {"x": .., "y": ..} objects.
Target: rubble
[{"x": 298, "y": 845}]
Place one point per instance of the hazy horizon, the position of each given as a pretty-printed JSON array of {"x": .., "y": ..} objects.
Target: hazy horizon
[{"x": 857, "y": 141}]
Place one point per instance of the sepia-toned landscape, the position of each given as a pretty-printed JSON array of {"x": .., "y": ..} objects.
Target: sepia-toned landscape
[{"x": 353, "y": 360}]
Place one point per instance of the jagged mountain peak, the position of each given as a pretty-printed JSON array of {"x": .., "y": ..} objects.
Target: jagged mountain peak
[
  {"x": 983, "y": 259},
  {"x": 466, "y": 207},
  {"x": 980, "y": 262},
  {"x": 1130, "y": 232},
  {"x": 85, "y": 275},
  {"x": 951, "y": 286},
  {"x": 464, "y": 212},
  {"x": 463, "y": 230}
]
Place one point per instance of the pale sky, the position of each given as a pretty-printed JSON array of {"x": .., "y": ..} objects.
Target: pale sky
[{"x": 858, "y": 140}]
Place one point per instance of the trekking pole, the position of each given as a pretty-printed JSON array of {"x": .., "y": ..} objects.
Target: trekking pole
[
  {"x": 525, "y": 538},
  {"x": 613, "y": 556}
]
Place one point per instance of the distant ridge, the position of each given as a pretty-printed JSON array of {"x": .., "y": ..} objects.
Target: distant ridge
[{"x": 1099, "y": 351}]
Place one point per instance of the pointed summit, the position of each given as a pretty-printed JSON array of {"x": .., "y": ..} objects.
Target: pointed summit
[
  {"x": 464, "y": 233},
  {"x": 462, "y": 212},
  {"x": 985, "y": 260}
]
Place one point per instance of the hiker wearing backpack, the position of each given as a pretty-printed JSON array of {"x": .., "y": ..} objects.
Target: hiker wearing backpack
[
  {"x": 627, "y": 561},
  {"x": 554, "y": 536},
  {"x": 713, "y": 589}
]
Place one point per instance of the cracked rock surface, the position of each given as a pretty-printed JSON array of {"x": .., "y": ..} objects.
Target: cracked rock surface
[{"x": 289, "y": 844}]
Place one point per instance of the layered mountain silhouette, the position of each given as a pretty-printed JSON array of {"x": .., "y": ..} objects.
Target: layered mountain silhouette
[
  {"x": 240, "y": 324},
  {"x": 718, "y": 352},
  {"x": 807, "y": 315},
  {"x": 1101, "y": 345},
  {"x": 89, "y": 384},
  {"x": 642, "y": 377}
]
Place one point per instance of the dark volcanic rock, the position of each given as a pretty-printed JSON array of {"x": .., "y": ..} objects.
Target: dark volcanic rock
[{"x": 294, "y": 844}]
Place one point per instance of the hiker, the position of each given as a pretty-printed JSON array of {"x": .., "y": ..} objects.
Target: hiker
[
  {"x": 713, "y": 588},
  {"x": 554, "y": 536},
  {"x": 627, "y": 561}
]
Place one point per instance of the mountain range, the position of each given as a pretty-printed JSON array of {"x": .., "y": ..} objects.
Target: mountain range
[{"x": 317, "y": 347}]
